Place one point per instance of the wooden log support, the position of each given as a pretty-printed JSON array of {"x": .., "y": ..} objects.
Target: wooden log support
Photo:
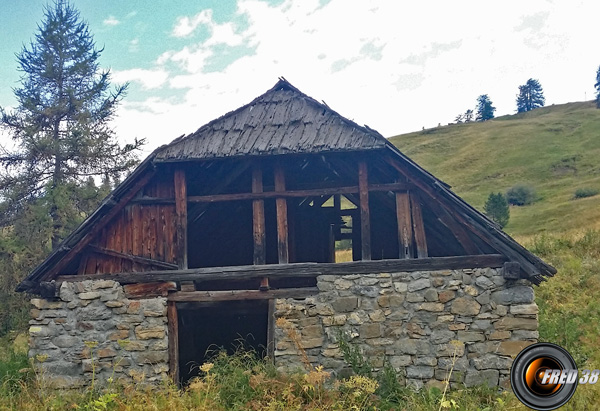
[
  {"x": 418, "y": 227},
  {"x": 271, "y": 330},
  {"x": 173, "y": 330},
  {"x": 188, "y": 286},
  {"x": 365, "y": 218},
  {"x": 405, "y": 231},
  {"x": 245, "y": 272},
  {"x": 236, "y": 295},
  {"x": 181, "y": 218},
  {"x": 282, "y": 217},
  {"x": 258, "y": 224},
  {"x": 146, "y": 290}
]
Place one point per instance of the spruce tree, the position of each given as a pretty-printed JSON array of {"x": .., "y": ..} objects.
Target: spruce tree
[
  {"x": 496, "y": 208},
  {"x": 485, "y": 110},
  {"x": 530, "y": 96},
  {"x": 60, "y": 127}
]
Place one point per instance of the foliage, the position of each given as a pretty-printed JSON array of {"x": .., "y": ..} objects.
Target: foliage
[
  {"x": 585, "y": 192},
  {"x": 354, "y": 357},
  {"x": 530, "y": 96},
  {"x": 520, "y": 195},
  {"x": 597, "y": 87},
  {"x": 60, "y": 127},
  {"x": 496, "y": 208},
  {"x": 484, "y": 110},
  {"x": 467, "y": 117}
]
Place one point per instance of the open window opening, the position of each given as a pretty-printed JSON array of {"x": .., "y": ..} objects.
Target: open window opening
[{"x": 207, "y": 328}]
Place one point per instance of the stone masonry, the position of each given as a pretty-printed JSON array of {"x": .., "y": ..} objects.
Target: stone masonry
[
  {"x": 422, "y": 323},
  {"x": 94, "y": 329}
]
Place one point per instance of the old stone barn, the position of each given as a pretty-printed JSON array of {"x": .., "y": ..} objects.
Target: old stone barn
[{"x": 221, "y": 232}]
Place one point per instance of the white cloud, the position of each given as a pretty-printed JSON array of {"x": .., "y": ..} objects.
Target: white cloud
[
  {"x": 111, "y": 21},
  {"x": 149, "y": 79},
  {"x": 395, "y": 66}
]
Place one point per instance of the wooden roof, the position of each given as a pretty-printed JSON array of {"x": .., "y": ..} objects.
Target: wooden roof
[
  {"x": 286, "y": 121},
  {"x": 282, "y": 121}
]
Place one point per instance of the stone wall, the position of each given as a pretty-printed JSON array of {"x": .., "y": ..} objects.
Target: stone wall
[
  {"x": 93, "y": 328},
  {"x": 422, "y": 323}
]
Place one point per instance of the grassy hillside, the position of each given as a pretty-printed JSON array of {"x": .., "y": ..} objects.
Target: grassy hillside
[{"x": 555, "y": 149}]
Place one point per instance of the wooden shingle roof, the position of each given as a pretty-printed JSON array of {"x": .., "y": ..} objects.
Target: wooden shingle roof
[{"x": 282, "y": 121}]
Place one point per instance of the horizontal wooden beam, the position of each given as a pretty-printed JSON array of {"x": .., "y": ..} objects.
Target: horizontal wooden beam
[
  {"x": 299, "y": 269},
  {"x": 273, "y": 194},
  {"x": 206, "y": 296},
  {"x": 145, "y": 290},
  {"x": 131, "y": 257}
]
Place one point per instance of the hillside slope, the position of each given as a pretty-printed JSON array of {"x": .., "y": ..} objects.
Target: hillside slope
[{"x": 555, "y": 149}]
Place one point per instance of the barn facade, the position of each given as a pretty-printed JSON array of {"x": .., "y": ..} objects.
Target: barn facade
[{"x": 230, "y": 234}]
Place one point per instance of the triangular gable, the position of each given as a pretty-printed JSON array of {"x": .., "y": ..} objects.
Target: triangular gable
[{"x": 279, "y": 114}]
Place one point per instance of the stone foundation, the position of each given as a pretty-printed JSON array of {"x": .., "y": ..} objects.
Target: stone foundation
[
  {"x": 94, "y": 330},
  {"x": 421, "y": 323}
]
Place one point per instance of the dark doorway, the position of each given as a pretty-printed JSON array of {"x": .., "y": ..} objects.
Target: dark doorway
[{"x": 205, "y": 328}]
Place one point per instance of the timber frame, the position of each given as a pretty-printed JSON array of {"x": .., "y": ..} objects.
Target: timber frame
[{"x": 252, "y": 205}]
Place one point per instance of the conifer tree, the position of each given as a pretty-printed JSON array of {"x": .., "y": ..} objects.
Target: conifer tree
[
  {"x": 496, "y": 208},
  {"x": 530, "y": 96},
  {"x": 60, "y": 126},
  {"x": 485, "y": 110},
  {"x": 597, "y": 87}
]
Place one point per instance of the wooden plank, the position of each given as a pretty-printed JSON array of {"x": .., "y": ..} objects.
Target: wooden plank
[
  {"x": 188, "y": 286},
  {"x": 258, "y": 218},
  {"x": 299, "y": 269},
  {"x": 181, "y": 217},
  {"x": 173, "y": 330},
  {"x": 236, "y": 295},
  {"x": 282, "y": 217},
  {"x": 405, "y": 232},
  {"x": 418, "y": 227},
  {"x": 132, "y": 258},
  {"x": 365, "y": 218},
  {"x": 145, "y": 290}
]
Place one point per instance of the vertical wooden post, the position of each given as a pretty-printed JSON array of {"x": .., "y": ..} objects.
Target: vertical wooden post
[
  {"x": 365, "y": 219},
  {"x": 258, "y": 224},
  {"x": 181, "y": 216},
  {"x": 405, "y": 232},
  {"x": 271, "y": 330},
  {"x": 282, "y": 217},
  {"x": 419, "y": 228},
  {"x": 173, "y": 327}
]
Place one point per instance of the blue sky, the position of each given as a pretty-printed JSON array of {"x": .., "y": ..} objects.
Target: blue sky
[{"x": 397, "y": 66}]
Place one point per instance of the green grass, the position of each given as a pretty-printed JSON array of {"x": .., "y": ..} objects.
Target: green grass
[{"x": 554, "y": 149}]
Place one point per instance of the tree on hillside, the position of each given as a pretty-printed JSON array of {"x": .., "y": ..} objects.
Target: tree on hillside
[
  {"x": 60, "y": 127},
  {"x": 597, "y": 87},
  {"x": 530, "y": 96},
  {"x": 496, "y": 208},
  {"x": 485, "y": 110}
]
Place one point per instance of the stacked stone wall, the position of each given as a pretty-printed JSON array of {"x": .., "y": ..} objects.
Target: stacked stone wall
[
  {"x": 93, "y": 331},
  {"x": 422, "y": 323}
]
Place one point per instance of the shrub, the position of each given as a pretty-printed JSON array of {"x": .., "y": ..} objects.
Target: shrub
[
  {"x": 520, "y": 195},
  {"x": 496, "y": 208},
  {"x": 585, "y": 192}
]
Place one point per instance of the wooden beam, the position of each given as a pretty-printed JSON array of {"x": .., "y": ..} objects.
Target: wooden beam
[
  {"x": 271, "y": 330},
  {"x": 181, "y": 218},
  {"x": 282, "y": 217},
  {"x": 258, "y": 224},
  {"x": 173, "y": 329},
  {"x": 235, "y": 295},
  {"x": 200, "y": 275},
  {"x": 132, "y": 258},
  {"x": 418, "y": 227},
  {"x": 144, "y": 290},
  {"x": 365, "y": 218},
  {"x": 405, "y": 231},
  {"x": 98, "y": 226}
]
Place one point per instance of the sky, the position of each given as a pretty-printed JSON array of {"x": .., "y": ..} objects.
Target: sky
[{"x": 396, "y": 66}]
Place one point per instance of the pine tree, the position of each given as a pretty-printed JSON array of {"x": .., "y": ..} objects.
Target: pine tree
[
  {"x": 485, "y": 110},
  {"x": 496, "y": 208},
  {"x": 530, "y": 96},
  {"x": 597, "y": 87},
  {"x": 60, "y": 126}
]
